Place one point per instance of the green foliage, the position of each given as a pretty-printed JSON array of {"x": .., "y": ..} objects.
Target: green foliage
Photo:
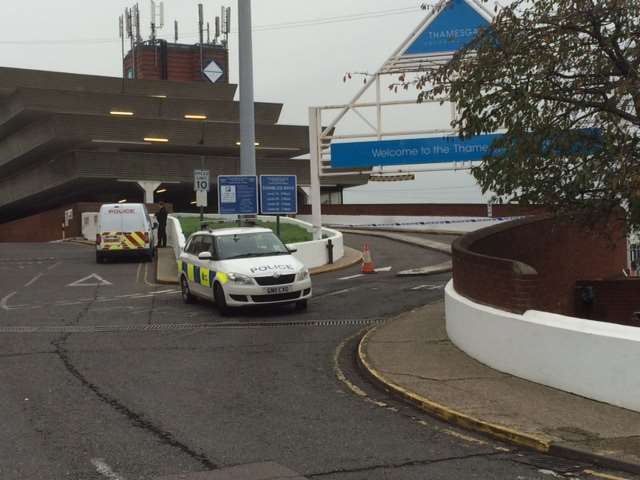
[
  {"x": 547, "y": 71},
  {"x": 288, "y": 233}
]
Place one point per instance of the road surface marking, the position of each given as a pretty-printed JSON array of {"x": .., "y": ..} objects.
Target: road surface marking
[
  {"x": 338, "y": 371},
  {"x": 465, "y": 437},
  {"x": 33, "y": 280},
  {"x": 427, "y": 287},
  {"x": 3, "y": 302},
  {"x": 146, "y": 277},
  {"x": 98, "y": 281},
  {"x": 339, "y": 292},
  {"x": 352, "y": 277},
  {"x": 383, "y": 269},
  {"x": 602, "y": 475},
  {"x": 103, "y": 469},
  {"x": 54, "y": 265}
]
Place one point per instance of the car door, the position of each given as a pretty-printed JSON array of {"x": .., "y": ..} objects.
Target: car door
[
  {"x": 190, "y": 258},
  {"x": 203, "y": 273}
]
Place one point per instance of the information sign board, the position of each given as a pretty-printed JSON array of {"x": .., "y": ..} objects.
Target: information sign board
[
  {"x": 238, "y": 195},
  {"x": 279, "y": 194}
]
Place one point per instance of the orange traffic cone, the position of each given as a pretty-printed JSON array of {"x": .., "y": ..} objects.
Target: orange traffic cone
[{"x": 367, "y": 261}]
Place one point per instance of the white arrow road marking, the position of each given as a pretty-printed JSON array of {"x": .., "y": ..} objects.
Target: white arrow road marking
[
  {"x": 383, "y": 269},
  {"x": 352, "y": 277},
  {"x": 4, "y": 302},
  {"x": 33, "y": 280},
  {"x": 54, "y": 265},
  {"x": 213, "y": 72},
  {"x": 98, "y": 281},
  {"x": 103, "y": 469}
]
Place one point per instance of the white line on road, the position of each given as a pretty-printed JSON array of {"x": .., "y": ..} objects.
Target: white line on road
[
  {"x": 103, "y": 469},
  {"x": 54, "y": 265},
  {"x": 428, "y": 287},
  {"x": 339, "y": 292},
  {"x": 33, "y": 280},
  {"x": 352, "y": 277},
  {"x": 3, "y": 302},
  {"x": 383, "y": 269}
]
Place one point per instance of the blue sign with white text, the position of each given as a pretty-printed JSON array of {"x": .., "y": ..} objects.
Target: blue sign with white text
[
  {"x": 411, "y": 151},
  {"x": 453, "y": 28},
  {"x": 278, "y": 194},
  {"x": 237, "y": 195}
]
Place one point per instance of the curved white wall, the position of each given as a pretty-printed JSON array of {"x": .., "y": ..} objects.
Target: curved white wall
[
  {"x": 593, "y": 359},
  {"x": 313, "y": 254}
]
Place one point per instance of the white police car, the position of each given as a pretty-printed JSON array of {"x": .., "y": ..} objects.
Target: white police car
[{"x": 241, "y": 267}]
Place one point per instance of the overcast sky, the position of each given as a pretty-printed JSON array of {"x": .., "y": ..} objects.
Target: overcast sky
[{"x": 298, "y": 65}]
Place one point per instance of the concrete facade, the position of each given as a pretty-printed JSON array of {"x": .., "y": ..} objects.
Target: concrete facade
[{"x": 67, "y": 138}]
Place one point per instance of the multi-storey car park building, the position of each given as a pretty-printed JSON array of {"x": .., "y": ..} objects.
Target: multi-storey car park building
[{"x": 67, "y": 138}]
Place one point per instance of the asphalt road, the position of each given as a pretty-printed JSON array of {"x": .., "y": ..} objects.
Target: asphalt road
[{"x": 117, "y": 379}]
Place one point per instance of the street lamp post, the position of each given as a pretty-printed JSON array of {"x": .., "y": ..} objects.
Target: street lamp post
[{"x": 247, "y": 112}]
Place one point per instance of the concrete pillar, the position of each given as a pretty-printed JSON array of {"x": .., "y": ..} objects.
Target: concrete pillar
[
  {"x": 149, "y": 188},
  {"x": 314, "y": 165}
]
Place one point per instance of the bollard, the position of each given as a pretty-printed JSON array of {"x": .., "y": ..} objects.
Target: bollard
[{"x": 330, "y": 251}]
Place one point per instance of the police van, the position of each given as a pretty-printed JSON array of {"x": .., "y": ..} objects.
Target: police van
[
  {"x": 125, "y": 229},
  {"x": 242, "y": 267}
]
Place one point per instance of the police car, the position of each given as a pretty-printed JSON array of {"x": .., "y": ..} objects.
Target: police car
[{"x": 242, "y": 267}]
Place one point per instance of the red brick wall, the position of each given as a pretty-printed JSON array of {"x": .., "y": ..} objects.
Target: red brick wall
[
  {"x": 426, "y": 210},
  {"x": 47, "y": 226},
  {"x": 183, "y": 63},
  {"x": 534, "y": 263},
  {"x": 613, "y": 301}
]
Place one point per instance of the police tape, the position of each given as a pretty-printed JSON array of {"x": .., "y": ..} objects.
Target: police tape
[{"x": 433, "y": 222}]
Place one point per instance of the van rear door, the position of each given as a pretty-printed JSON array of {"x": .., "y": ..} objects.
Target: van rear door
[{"x": 123, "y": 227}]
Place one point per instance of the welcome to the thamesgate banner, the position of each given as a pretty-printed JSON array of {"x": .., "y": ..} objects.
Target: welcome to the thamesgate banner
[{"x": 410, "y": 152}]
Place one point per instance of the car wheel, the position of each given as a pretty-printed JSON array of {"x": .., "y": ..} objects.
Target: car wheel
[
  {"x": 221, "y": 301},
  {"x": 302, "y": 305},
  {"x": 99, "y": 258},
  {"x": 186, "y": 293}
]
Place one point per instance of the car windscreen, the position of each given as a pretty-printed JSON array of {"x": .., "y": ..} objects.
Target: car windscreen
[{"x": 248, "y": 245}]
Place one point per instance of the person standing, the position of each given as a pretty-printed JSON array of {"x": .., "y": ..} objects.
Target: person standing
[{"x": 161, "y": 216}]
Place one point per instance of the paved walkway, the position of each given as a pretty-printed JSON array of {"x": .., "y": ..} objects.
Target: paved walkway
[{"x": 413, "y": 357}]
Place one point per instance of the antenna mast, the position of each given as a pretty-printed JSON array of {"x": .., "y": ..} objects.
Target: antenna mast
[
  {"x": 217, "y": 31},
  {"x": 157, "y": 19},
  {"x": 201, "y": 30},
  {"x": 226, "y": 24},
  {"x": 129, "y": 29}
]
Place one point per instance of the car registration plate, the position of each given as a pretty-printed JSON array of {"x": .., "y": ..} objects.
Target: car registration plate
[{"x": 277, "y": 290}]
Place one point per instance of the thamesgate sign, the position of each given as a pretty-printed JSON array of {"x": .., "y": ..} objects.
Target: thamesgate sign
[
  {"x": 410, "y": 151},
  {"x": 453, "y": 28}
]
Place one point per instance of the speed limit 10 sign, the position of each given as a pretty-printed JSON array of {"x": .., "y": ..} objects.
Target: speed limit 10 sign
[{"x": 201, "y": 180}]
